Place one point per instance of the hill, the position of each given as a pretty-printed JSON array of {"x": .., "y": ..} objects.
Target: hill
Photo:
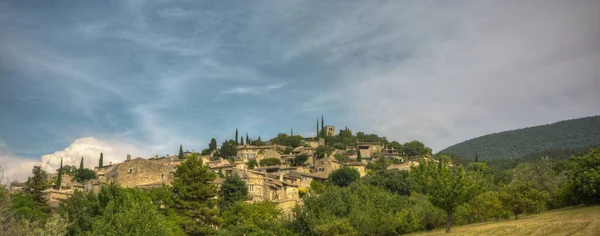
[
  {"x": 568, "y": 221},
  {"x": 562, "y": 137}
]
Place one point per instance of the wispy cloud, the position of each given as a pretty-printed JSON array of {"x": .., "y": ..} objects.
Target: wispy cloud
[{"x": 252, "y": 90}]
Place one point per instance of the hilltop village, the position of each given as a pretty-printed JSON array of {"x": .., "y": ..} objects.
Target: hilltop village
[{"x": 279, "y": 170}]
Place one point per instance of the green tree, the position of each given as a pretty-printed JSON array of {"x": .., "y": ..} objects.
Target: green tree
[
  {"x": 36, "y": 185},
  {"x": 445, "y": 188},
  {"x": 358, "y": 156},
  {"x": 248, "y": 139},
  {"x": 133, "y": 214},
  {"x": 486, "y": 206},
  {"x": 228, "y": 149},
  {"x": 236, "y": 136},
  {"x": 398, "y": 182},
  {"x": 212, "y": 145},
  {"x": 58, "y": 184},
  {"x": 194, "y": 196},
  {"x": 270, "y": 162},
  {"x": 521, "y": 197},
  {"x": 261, "y": 218},
  {"x": 181, "y": 156},
  {"x": 323, "y": 132},
  {"x": 241, "y": 141},
  {"x": 81, "y": 164},
  {"x": 317, "y": 187},
  {"x": 344, "y": 176},
  {"x": 416, "y": 148},
  {"x": 300, "y": 159},
  {"x": 584, "y": 177},
  {"x": 100, "y": 162},
  {"x": 323, "y": 151},
  {"x": 80, "y": 210},
  {"x": 84, "y": 175},
  {"x": 257, "y": 142},
  {"x": 251, "y": 164},
  {"x": 234, "y": 189},
  {"x": 396, "y": 146}
]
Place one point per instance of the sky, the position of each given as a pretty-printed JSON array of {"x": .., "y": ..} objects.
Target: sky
[{"x": 142, "y": 77}]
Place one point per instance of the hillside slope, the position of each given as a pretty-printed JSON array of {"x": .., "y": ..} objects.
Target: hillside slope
[
  {"x": 564, "y": 135},
  {"x": 567, "y": 221}
]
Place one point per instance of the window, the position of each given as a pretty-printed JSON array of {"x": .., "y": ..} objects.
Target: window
[
  {"x": 130, "y": 171},
  {"x": 252, "y": 188},
  {"x": 162, "y": 176}
]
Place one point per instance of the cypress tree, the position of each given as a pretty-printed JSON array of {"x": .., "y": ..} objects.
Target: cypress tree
[
  {"x": 247, "y": 139},
  {"x": 292, "y": 132},
  {"x": 181, "y": 152},
  {"x": 358, "y": 157},
  {"x": 100, "y": 162},
  {"x": 242, "y": 141},
  {"x": 59, "y": 177},
  {"x": 81, "y": 164},
  {"x": 476, "y": 157},
  {"x": 236, "y": 136},
  {"x": 322, "y": 127},
  {"x": 317, "y": 128}
]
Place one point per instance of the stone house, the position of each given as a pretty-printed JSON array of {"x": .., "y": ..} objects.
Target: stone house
[
  {"x": 307, "y": 178},
  {"x": 326, "y": 165},
  {"x": 330, "y": 130},
  {"x": 367, "y": 149},
  {"x": 141, "y": 172},
  {"x": 358, "y": 166},
  {"x": 314, "y": 142},
  {"x": 263, "y": 186},
  {"x": 249, "y": 152}
]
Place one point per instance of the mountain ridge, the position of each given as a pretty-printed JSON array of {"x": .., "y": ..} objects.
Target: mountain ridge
[{"x": 569, "y": 134}]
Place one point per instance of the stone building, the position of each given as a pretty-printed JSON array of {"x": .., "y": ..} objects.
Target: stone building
[
  {"x": 368, "y": 149},
  {"x": 140, "y": 172},
  {"x": 314, "y": 142},
  {"x": 330, "y": 130},
  {"x": 264, "y": 186}
]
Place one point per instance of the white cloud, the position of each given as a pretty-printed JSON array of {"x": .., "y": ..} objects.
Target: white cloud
[
  {"x": 90, "y": 148},
  {"x": 13, "y": 167},
  {"x": 252, "y": 90}
]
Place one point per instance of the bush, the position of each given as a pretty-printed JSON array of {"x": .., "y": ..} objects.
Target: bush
[
  {"x": 344, "y": 176},
  {"x": 270, "y": 162}
]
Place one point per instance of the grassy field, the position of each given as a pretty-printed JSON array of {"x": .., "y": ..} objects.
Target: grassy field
[{"x": 567, "y": 221}]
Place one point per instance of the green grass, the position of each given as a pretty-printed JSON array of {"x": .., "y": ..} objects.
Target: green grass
[{"x": 566, "y": 221}]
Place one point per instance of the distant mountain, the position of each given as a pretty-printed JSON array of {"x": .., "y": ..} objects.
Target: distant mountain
[{"x": 573, "y": 134}]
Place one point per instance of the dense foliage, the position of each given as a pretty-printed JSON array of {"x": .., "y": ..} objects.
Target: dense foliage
[
  {"x": 564, "y": 135},
  {"x": 270, "y": 162}
]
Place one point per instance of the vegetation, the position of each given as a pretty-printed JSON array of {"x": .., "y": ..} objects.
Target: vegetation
[
  {"x": 194, "y": 196},
  {"x": 270, "y": 162},
  {"x": 300, "y": 159},
  {"x": 234, "y": 189},
  {"x": 564, "y": 135},
  {"x": 58, "y": 183},
  {"x": 286, "y": 140},
  {"x": 323, "y": 151},
  {"x": 344, "y": 176}
]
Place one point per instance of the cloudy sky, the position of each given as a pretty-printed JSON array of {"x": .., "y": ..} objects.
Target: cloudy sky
[{"x": 142, "y": 77}]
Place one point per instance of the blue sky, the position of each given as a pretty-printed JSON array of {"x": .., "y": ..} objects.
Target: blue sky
[{"x": 156, "y": 74}]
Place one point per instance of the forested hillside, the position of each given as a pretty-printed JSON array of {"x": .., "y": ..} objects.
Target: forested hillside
[{"x": 573, "y": 134}]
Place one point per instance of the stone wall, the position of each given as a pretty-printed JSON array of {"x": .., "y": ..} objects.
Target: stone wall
[{"x": 140, "y": 171}]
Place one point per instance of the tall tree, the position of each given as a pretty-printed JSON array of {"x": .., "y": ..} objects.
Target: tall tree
[
  {"x": 318, "y": 134},
  {"x": 476, "y": 157},
  {"x": 247, "y": 139},
  {"x": 81, "y": 164},
  {"x": 323, "y": 133},
  {"x": 194, "y": 197},
  {"x": 181, "y": 157},
  {"x": 242, "y": 141},
  {"x": 234, "y": 189},
  {"x": 212, "y": 145},
  {"x": 59, "y": 177},
  {"x": 36, "y": 185},
  {"x": 445, "y": 188},
  {"x": 358, "y": 155},
  {"x": 291, "y": 131},
  {"x": 100, "y": 164},
  {"x": 236, "y": 136}
]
